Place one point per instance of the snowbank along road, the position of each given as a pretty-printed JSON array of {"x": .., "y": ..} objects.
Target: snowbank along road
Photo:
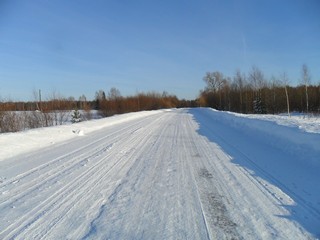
[{"x": 178, "y": 174}]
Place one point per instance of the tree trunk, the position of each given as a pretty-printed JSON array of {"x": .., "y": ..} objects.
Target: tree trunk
[{"x": 288, "y": 106}]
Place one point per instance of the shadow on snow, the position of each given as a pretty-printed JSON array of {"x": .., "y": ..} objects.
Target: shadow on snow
[{"x": 269, "y": 154}]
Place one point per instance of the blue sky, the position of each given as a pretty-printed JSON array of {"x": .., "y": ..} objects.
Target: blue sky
[{"x": 77, "y": 47}]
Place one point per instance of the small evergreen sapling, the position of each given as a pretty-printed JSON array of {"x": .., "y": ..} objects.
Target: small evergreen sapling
[
  {"x": 258, "y": 106},
  {"x": 75, "y": 116}
]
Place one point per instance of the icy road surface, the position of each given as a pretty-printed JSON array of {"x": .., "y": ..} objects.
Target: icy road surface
[{"x": 179, "y": 174}]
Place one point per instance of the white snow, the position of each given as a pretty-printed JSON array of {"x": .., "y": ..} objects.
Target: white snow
[
  {"x": 166, "y": 174},
  {"x": 13, "y": 144},
  {"x": 307, "y": 123}
]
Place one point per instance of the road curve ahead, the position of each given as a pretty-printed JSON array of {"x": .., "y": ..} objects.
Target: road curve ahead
[{"x": 158, "y": 177}]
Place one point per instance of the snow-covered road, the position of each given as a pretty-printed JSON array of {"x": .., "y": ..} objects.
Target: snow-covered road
[{"x": 179, "y": 174}]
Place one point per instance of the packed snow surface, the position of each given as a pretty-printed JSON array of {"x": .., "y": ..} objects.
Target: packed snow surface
[{"x": 167, "y": 174}]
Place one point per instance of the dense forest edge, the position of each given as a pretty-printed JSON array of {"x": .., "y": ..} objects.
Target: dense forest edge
[
  {"x": 243, "y": 93},
  {"x": 253, "y": 93}
]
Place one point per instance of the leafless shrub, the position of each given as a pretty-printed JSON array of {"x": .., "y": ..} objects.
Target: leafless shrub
[
  {"x": 87, "y": 114},
  {"x": 11, "y": 122}
]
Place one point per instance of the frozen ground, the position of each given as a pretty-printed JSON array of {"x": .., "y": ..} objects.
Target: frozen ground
[{"x": 178, "y": 174}]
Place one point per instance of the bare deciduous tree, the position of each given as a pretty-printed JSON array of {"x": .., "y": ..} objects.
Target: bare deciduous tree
[
  {"x": 100, "y": 100},
  {"x": 306, "y": 81},
  {"x": 258, "y": 83},
  {"x": 239, "y": 81},
  {"x": 114, "y": 94},
  {"x": 256, "y": 78},
  {"x": 285, "y": 83},
  {"x": 215, "y": 82}
]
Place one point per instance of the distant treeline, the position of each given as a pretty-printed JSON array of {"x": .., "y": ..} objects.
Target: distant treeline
[
  {"x": 114, "y": 103},
  {"x": 252, "y": 93},
  {"x": 107, "y": 104},
  {"x": 17, "y": 116}
]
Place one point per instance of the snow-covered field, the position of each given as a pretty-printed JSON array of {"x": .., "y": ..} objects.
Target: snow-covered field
[{"x": 166, "y": 174}]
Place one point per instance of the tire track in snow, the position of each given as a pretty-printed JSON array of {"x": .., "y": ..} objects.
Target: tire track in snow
[
  {"x": 215, "y": 215},
  {"x": 46, "y": 206},
  {"x": 104, "y": 174},
  {"x": 30, "y": 189},
  {"x": 118, "y": 200},
  {"x": 157, "y": 199},
  {"x": 45, "y": 178},
  {"x": 40, "y": 210},
  {"x": 66, "y": 158}
]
